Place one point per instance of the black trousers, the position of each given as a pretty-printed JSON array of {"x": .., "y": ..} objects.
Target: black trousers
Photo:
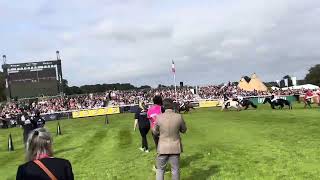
[
  {"x": 156, "y": 140},
  {"x": 143, "y": 132},
  {"x": 25, "y": 137}
]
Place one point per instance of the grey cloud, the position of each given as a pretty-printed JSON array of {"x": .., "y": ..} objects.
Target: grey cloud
[{"x": 132, "y": 33}]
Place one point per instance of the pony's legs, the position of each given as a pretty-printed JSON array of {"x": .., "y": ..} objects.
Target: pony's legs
[
  {"x": 305, "y": 104},
  {"x": 309, "y": 104}
]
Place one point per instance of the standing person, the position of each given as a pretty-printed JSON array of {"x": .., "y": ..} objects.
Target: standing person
[
  {"x": 153, "y": 112},
  {"x": 28, "y": 125},
  {"x": 41, "y": 164},
  {"x": 142, "y": 121},
  {"x": 39, "y": 121},
  {"x": 169, "y": 126}
]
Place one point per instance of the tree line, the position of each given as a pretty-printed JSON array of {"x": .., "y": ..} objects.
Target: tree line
[{"x": 98, "y": 88}]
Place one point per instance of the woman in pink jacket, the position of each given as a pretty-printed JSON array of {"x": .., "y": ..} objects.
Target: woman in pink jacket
[{"x": 153, "y": 112}]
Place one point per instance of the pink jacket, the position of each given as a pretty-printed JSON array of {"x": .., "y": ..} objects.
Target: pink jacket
[{"x": 153, "y": 112}]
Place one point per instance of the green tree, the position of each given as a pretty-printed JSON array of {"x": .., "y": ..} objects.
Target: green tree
[
  {"x": 313, "y": 76},
  {"x": 145, "y": 87},
  {"x": 65, "y": 87},
  {"x": 270, "y": 84}
]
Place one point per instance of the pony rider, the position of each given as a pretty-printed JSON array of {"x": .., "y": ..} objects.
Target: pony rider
[
  {"x": 308, "y": 96},
  {"x": 274, "y": 98}
]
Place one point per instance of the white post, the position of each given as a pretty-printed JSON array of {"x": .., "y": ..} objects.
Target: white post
[{"x": 175, "y": 86}]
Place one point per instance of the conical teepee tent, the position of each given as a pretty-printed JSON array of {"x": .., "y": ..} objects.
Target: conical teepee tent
[
  {"x": 244, "y": 85},
  {"x": 256, "y": 84}
]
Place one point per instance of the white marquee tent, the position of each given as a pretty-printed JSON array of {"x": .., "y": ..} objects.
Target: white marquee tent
[{"x": 305, "y": 86}]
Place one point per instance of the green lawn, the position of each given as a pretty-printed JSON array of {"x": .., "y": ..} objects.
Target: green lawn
[{"x": 253, "y": 144}]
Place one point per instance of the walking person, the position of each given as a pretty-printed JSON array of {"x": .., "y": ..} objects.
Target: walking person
[
  {"x": 142, "y": 121},
  {"x": 169, "y": 126},
  {"x": 153, "y": 112},
  {"x": 41, "y": 164}
]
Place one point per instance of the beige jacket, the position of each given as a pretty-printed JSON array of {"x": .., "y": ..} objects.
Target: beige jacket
[{"x": 169, "y": 125}]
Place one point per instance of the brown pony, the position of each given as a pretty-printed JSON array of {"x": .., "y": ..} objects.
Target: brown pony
[{"x": 308, "y": 102}]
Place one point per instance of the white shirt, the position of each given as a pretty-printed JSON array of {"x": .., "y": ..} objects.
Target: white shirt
[{"x": 274, "y": 98}]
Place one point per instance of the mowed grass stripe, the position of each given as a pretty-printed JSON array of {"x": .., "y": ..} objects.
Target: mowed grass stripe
[{"x": 254, "y": 144}]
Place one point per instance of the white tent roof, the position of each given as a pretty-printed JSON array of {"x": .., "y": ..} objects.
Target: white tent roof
[
  {"x": 305, "y": 86},
  {"x": 274, "y": 88}
]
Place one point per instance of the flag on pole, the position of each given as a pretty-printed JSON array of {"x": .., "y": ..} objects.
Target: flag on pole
[{"x": 173, "y": 67}]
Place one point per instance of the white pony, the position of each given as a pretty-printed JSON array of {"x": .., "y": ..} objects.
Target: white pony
[{"x": 231, "y": 104}]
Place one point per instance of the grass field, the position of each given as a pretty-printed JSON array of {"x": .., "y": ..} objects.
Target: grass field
[{"x": 253, "y": 144}]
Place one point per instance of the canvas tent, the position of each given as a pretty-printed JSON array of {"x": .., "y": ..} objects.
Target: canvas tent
[
  {"x": 254, "y": 84},
  {"x": 243, "y": 84}
]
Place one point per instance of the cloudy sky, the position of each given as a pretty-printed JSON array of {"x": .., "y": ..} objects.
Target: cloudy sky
[{"x": 211, "y": 41}]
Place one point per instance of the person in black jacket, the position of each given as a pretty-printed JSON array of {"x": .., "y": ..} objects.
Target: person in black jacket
[
  {"x": 41, "y": 164},
  {"x": 142, "y": 121},
  {"x": 40, "y": 122},
  {"x": 28, "y": 125}
]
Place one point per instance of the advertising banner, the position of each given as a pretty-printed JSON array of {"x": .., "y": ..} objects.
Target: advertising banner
[
  {"x": 208, "y": 104},
  {"x": 95, "y": 112},
  {"x": 260, "y": 100}
]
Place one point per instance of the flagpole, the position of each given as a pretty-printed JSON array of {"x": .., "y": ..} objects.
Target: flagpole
[
  {"x": 173, "y": 68},
  {"x": 175, "y": 86}
]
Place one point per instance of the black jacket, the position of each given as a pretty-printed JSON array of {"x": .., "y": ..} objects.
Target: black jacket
[
  {"x": 60, "y": 168},
  {"x": 142, "y": 117}
]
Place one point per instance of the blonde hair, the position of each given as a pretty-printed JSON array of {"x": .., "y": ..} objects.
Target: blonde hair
[
  {"x": 142, "y": 105},
  {"x": 39, "y": 142}
]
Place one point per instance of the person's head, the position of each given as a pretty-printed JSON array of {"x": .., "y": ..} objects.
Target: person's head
[
  {"x": 39, "y": 143},
  {"x": 168, "y": 103},
  {"x": 157, "y": 100}
]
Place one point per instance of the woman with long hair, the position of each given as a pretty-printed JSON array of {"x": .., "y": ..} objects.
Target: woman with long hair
[
  {"x": 142, "y": 121},
  {"x": 41, "y": 164}
]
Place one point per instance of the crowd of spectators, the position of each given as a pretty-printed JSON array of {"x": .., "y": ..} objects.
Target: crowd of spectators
[{"x": 91, "y": 101}]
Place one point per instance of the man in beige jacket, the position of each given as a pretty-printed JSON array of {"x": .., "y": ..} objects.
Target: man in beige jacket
[{"x": 169, "y": 126}]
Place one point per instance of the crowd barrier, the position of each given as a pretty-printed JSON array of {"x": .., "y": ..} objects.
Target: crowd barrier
[
  {"x": 260, "y": 99},
  {"x": 96, "y": 112},
  {"x": 56, "y": 115},
  {"x": 208, "y": 103}
]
